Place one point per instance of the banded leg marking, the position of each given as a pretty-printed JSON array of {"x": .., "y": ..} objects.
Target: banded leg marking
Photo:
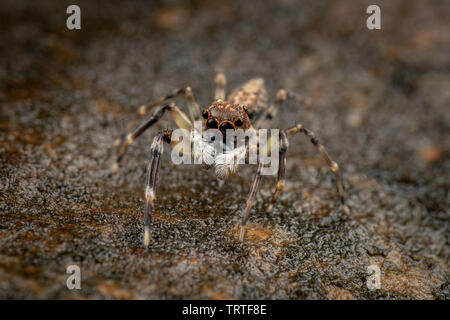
[
  {"x": 180, "y": 118},
  {"x": 193, "y": 108},
  {"x": 332, "y": 164},
  {"x": 250, "y": 200},
  {"x": 281, "y": 170},
  {"x": 153, "y": 171},
  {"x": 143, "y": 110}
]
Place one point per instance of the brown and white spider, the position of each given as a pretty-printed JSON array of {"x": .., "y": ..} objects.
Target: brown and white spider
[{"x": 246, "y": 108}]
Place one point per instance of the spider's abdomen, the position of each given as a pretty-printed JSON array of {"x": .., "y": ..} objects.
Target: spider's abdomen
[{"x": 253, "y": 94}]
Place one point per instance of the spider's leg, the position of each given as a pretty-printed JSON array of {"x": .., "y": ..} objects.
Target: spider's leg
[
  {"x": 272, "y": 110},
  {"x": 250, "y": 200},
  {"x": 281, "y": 97},
  {"x": 221, "y": 82},
  {"x": 180, "y": 118},
  {"x": 144, "y": 108},
  {"x": 193, "y": 108},
  {"x": 281, "y": 169},
  {"x": 153, "y": 170},
  {"x": 333, "y": 165}
]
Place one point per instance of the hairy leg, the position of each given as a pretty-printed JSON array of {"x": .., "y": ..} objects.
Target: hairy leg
[
  {"x": 180, "y": 118},
  {"x": 281, "y": 170},
  {"x": 193, "y": 108},
  {"x": 250, "y": 200},
  {"x": 333, "y": 165},
  {"x": 153, "y": 171}
]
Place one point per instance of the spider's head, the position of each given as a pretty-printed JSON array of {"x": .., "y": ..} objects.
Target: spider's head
[{"x": 222, "y": 115}]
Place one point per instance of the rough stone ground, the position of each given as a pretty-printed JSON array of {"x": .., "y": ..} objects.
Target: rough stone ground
[{"x": 381, "y": 107}]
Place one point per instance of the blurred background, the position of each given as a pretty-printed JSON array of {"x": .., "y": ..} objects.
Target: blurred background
[{"x": 380, "y": 106}]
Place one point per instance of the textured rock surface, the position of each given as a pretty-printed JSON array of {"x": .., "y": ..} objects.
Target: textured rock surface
[{"x": 381, "y": 107}]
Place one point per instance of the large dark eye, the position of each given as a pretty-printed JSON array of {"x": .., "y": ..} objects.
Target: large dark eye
[
  {"x": 226, "y": 126},
  {"x": 238, "y": 123},
  {"x": 205, "y": 114},
  {"x": 211, "y": 124}
]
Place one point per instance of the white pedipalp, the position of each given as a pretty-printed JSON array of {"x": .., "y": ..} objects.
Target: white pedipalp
[
  {"x": 203, "y": 151},
  {"x": 227, "y": 163}
]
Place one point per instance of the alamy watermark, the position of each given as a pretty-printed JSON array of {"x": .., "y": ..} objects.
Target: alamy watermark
[
  {"x": 74, "y": 280},
  {"x": 74, "y": 20},
  {"x": 374, "y": 20}
]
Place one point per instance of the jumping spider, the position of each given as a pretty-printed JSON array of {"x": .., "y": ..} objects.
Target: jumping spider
[{"x": 246, "y": 108}]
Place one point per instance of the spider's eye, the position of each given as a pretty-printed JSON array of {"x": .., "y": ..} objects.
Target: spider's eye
[
  {"x": 205, "y": 114},
  {"x": 226, "y": 126},
  {"x": 211, "y": 124},
  {"x": 238, "y": 123}
]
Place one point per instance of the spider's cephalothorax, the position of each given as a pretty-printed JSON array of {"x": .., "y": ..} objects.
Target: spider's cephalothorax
[
  {"x": 224, "y": 116},
  {"x": 245, "y": 108}
]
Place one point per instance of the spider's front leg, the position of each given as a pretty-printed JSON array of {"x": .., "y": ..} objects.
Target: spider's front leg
[
  {"x": 153, "y": 171},
  {"x": 180, "y": 118},
  {"x": 332, "y": 164},
  {"x": 193, "y": 107}
]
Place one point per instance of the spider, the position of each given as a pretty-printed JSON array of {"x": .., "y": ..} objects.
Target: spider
[{"x": 246, "y": 108}]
